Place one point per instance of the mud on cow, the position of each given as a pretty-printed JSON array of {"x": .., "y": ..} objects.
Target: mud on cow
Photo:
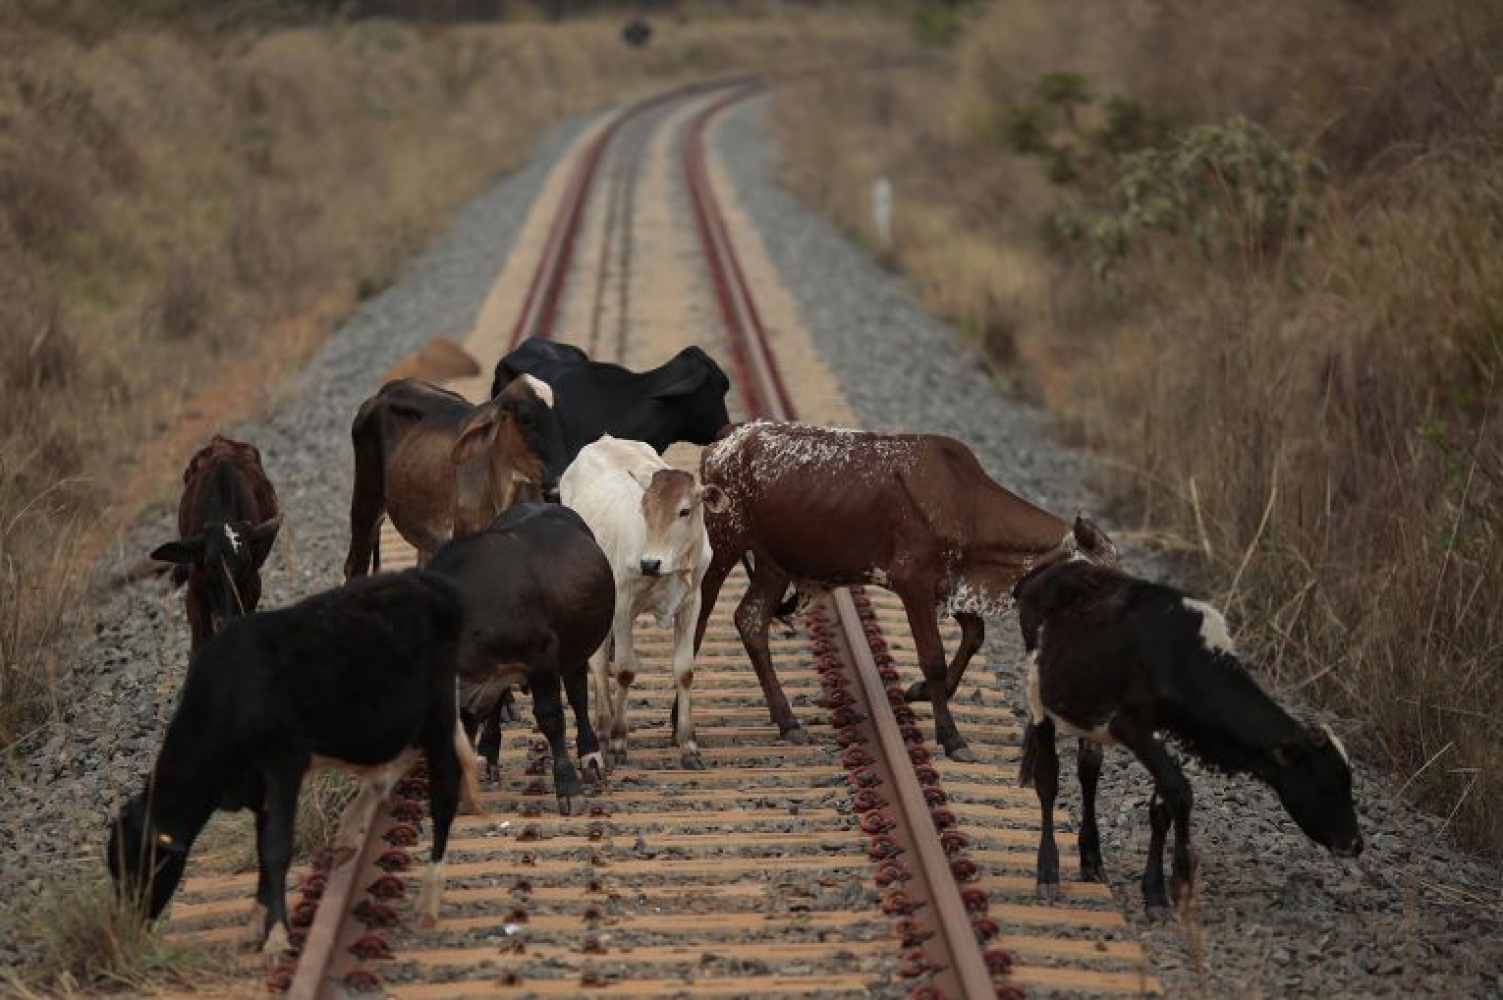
[
  {"x": 823, "y": 507},
  {"x": 227, "y": 519},
  {"x": 680, "y": 400},
  {"x": 440, "y": 466},
  {"x": 1113, "y": 659},
  {"x": 359, "y": 678},
  {"x": 649, "y": 520},
  {"x": 539, "y": 597}
]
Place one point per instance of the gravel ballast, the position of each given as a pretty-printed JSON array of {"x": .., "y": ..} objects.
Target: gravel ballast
[{"x": 1275, "y": 916}]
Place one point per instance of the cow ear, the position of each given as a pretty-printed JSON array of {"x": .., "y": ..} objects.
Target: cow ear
[
  {"x": 684, "y": 379},
  {"x": 266, "y": 529},
  {"x": 183, "y": 551},
  {"x": 476, "y": 437},
  {"x": 714, "y": 499},
  {"x": 643, "y": 476}
]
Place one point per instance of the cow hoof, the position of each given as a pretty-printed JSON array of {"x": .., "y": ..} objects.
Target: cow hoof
[
  {"x": 616, "y": 758},
  {"x": 1048, "y": 892},
  {"x": 573, "y": 805},
  {"x": 1159, "y": 913},
  {"x": 277, "y": 943},
  {"x": 917, "y": 691},
  {"x": 961, "y": 753},
  {"x": 1092, "y": 873},
  {"x": 796, "y": 734},
  {"x": 509, "y": 713},
  {"x": 594, "y": 768},
  {"x": 689, "y": 761}
]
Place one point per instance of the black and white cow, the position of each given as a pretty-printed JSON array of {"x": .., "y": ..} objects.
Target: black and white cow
[
  {"x": 360, "y": 678},
  {"x": 681, "y": 400},
  {"x": 1114, "y": 659}
]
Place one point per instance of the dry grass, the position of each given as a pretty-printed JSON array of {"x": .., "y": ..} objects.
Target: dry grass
[
  {"x": 1310, "y": 422},
  {"x": 170, "y": 191},
  {"x": 94, "y": 944}
]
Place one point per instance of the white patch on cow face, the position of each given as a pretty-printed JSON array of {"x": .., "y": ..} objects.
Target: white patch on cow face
[
  {"x": 543, "y": 390},
  {"x": 1336, "y": 742},
  {"x": 232, "y": 538},
  {"x": 1213, "y": 630}
]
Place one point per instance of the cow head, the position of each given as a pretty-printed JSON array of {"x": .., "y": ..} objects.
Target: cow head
[
  {"x": 694, "y": 382},
  {"x": 146, "y": 863},
  {"x": 1313, "y": 780},
  {"x": 673, "y": 507},
  {"x": 519, "y": 433},
  {"x": 225, "y": 554}
]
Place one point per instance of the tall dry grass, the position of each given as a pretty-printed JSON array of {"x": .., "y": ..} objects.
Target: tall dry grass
[
  {"x": 1307, "y": 418},
  {"x": 172, "y": 187}
]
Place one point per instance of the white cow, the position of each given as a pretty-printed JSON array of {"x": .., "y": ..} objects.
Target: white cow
[{"x": 649, "y": 520}]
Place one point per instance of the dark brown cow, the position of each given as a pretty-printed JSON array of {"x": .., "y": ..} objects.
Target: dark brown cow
[
  {"x": 915, "y": 513},
  {"x": 441, "y": 466},
  {"x": 227, "y": 519}
]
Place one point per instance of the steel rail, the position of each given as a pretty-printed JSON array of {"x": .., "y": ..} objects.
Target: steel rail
[
  {"x": 545, "y": 291},
  {"x": 961, "y": 965}
]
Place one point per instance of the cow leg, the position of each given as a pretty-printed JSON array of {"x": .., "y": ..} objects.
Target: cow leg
[
  {"x": 1088, "y": 767},
  {"x": 1171, "y": 805},
  {"x": 753, "y": 616},
  {"x": 548, "y": 710},
  {"x": 1045, "y": 773},
  {"x": 447, "y": 777},
  {"x": 683, "y": 683},
  {"x": 600, "y": 671},
  {"x": 972, "y": 635},
  {"x": 586, "y": 743},
  {"x": 489, "y": 744},
  {"x": 507, "y": 710},
  {"x": 709, "y": 591},
  {"x": 274, "y": 850},
  {"x": 624, "y": 664},
  {"x": 931, "y": 657},
  {"x": 1155, "y": 899},
  {"x": 257, "y": 929},
  {"x": 469, "y": 769},
  {"x": 366, "y": 511}
]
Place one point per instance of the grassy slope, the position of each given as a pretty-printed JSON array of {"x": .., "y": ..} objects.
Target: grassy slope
[{"x": 1312, "y": 422}]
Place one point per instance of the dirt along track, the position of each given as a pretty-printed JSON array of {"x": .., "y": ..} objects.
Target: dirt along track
[{"x": 779, "y": 870}]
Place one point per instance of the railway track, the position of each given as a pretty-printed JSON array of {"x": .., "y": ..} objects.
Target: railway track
[{"x": 860, "y": 864}]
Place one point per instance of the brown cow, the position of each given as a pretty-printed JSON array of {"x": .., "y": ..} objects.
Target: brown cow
[
  {"x": 915, "y": 513},
  {"x": 441, "y": 466},
  {"x": 227, "y": 519}
]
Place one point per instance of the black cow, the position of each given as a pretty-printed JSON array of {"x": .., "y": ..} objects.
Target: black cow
[
  {"x": 1113, "y": 659},
  {"x": 360, "y": 678},
  {"x": 682, "y": 400},
  {"x": 540, "y": 599},
  {"x": 227, "y": 519}
]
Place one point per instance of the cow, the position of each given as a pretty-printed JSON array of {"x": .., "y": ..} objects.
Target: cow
[
  {"x": 822, "y": 507},
  {"x": 539, "y": 599},
  {"x": 227, "y": 520},
  {"x": 1114, "y": 659},
  {"x": 648, "y": 518},
  {"x": 440, "y": 466},
  {"x": 681, "y": 400},
  {"x": 359, "y": 678}
]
